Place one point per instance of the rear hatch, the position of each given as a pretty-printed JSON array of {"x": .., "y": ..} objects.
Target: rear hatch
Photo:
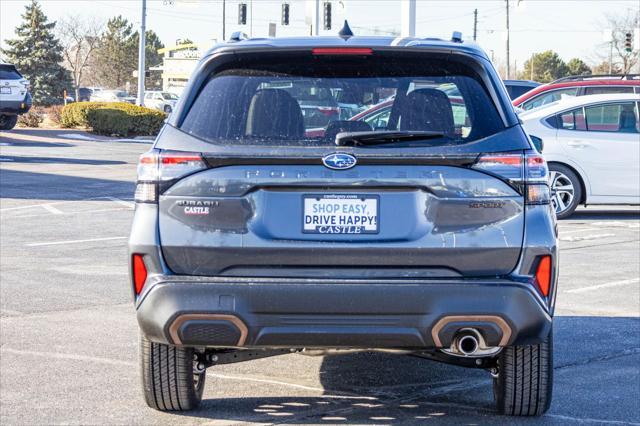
[
  {"x": 12, "y": 84},
  {"x": 263, "y": 197}
]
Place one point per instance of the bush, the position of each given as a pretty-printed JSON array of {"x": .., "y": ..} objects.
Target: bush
[
  {"x": 54, "y": 114},
  {"x": 75, "y": 114},
  {"x": 33, "y": 118},
  {"x": 121, "y": 119}
]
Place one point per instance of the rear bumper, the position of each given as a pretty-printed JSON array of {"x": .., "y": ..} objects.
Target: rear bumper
[
  {"x": 16, "y": 107},
  {"x": 191, "y": 311}
]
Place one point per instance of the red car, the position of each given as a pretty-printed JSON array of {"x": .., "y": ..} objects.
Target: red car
[{"x": 578, "y": 86}]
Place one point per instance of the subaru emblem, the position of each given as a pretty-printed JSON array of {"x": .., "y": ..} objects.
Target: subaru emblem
[{"x": 339, "y": 161}]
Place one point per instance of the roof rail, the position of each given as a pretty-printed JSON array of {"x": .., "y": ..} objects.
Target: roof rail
[{"x": 597, "y": 76}]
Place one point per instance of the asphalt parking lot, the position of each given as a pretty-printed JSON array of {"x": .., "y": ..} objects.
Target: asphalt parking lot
[{"x": 69, "y": 338}]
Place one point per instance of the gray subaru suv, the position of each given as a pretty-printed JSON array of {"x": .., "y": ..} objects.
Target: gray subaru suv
[{"x": 256, "y": 233}]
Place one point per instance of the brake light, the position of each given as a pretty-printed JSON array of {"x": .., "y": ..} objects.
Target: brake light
[
  {"x": 139, "y": 272},
  {"x": 328, "y": 111},
  {"x": 543, "y": 275},
  {"x": 156, "y": 167},
  {"x": 527, "y": 171},
  {"x": 342, "y": 51}
]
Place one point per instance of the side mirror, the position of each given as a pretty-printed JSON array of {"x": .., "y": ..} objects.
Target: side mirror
[{"x": 537, "y": 142}]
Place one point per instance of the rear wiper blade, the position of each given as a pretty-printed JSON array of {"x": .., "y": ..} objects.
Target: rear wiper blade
[{"x": 383, "y": 137}]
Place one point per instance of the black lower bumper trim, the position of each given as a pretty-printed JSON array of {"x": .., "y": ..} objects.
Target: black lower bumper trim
[{"x": 339, "y": 314}]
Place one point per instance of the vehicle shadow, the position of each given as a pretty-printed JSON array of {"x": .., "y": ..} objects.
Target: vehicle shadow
[
  {"x": 594, "y": 214},
  {"x": 49, "y": 186},
  {"x": 58, "y": 160},
  {"x": 365, "y": 388}
]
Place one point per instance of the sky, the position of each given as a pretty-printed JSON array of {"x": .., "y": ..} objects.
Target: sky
[{"x": 573, "y": 28}]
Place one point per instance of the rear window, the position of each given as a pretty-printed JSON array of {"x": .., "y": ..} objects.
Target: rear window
[
  {"x": 9, "y": 72},
  {"x": 603, "y": 90},
  {"x": 516, "y": 91},
  {"x": 308, "y": 104}
]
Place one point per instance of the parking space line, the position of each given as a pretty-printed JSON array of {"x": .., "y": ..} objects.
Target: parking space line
[
  {"x": 604, "y": 285},
  {"x": 74, "y": 357},
  {"x": 30, "y": 206},
  {"x": 89, "y": 240},
  {"x": 121, "y": 202},
  {"x": 51, "y": 209}
]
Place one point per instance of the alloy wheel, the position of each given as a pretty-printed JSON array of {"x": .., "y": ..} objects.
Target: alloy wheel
[{"x": 562, "y": 191}]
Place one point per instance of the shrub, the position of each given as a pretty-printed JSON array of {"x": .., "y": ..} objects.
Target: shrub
[
  {"x": 121, "y": 119},
  {"x": 33, "y": 118},
  {"x": 54, "y": 114},
  {"x": 75, "y": 114}
]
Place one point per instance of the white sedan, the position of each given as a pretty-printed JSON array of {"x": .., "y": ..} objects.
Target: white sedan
[{"x": 592, "y": 146}]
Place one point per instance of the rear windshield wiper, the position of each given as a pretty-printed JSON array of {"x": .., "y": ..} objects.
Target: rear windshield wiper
[{"x": 382, "y": 137}]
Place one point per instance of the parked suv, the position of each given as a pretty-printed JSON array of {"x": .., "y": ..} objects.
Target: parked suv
[
  {"x": 15, "y": 98},
  {"x": 577, "y": 86},
  {"x": 430, "y": 236},
  {"x": 163, "y": 101}
]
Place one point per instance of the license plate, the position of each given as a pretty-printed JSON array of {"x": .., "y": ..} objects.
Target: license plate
[
  {"x": 5, "y": 90},
  {"x": 340, "y": 214}
]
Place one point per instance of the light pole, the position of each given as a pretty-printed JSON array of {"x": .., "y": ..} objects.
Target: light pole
[{"x": 141, "y": 52}]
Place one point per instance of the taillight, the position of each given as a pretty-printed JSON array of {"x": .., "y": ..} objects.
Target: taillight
[
  {"x": 526, "y": 171},
  {"x": 543, "y": 275},
  {"x": 328, "y": 111},
  {"x": 139, "y": 272},
  {"x": 156, "y": 167}
]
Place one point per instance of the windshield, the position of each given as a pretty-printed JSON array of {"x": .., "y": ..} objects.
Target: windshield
[
  {"x": 169, "y": 96},
  {"x": 259, "y": 106}
]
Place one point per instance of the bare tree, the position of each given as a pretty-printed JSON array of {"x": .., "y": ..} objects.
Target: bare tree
[
  {"x": 615, "y": 52},
  {"x": 79, "y": 38}
]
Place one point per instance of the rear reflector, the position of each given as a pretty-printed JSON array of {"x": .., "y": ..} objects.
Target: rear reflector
[
  {"x": 543, "y": 275},
  {"x": 342, "y": 51},
  {"x": 139, "y": 272}
]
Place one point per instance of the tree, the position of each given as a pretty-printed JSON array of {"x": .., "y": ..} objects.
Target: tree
[
  {"x": 151, "y": 57},
  {"x": 547, "y": 66},
  {"x": 603, "y": 68},
  {"x": 116, "y": 54},
  {"x": 620, "y": 25},
  {"x": 79, "y": 39},
  {"x": 577, "y": 66},
  {"x": 37, "y": 54}
]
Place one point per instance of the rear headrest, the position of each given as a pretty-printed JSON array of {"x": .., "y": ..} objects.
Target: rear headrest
[
  {"x": 627, "y": 121},
  {"x": 274, "y": 113},
  {"x": 336, "y": 127},
  {"x": 427, "y": 110}
]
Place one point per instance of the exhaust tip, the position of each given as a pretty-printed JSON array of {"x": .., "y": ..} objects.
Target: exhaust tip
[{"x": 467, "y": 344}]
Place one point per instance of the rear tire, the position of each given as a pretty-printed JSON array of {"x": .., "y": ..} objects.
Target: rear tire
[
  {"x": 566, "y": 190},
  {"x": 525, "y": 379},
  {"x": 168, "y": 380},
  {"x": 8, "y": 122}
]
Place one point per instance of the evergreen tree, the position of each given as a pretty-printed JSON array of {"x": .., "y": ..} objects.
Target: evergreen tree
[
  {"x": 151, "y": 58},
  {"x": 37, "y": 54},
  {"x": 547, "y": 66},
  {"x": 117, "y": 54},
  {"x": 577, "y": 66}
]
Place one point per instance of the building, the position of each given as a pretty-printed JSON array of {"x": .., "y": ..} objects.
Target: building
[{"x": 178, "y": 63}]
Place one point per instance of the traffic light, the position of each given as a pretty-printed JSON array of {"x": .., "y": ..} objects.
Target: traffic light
[
  {"x": 242, "y": 14},
  {"x": 327, "y": 15},
  {"x": 628, "y": 43},
  {"x": 285, "y": 14}
]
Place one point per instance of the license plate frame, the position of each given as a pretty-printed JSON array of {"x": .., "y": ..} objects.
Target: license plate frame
[
  {"x": 5, "y": 90},
  {"x": 337, "y": 226}
]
